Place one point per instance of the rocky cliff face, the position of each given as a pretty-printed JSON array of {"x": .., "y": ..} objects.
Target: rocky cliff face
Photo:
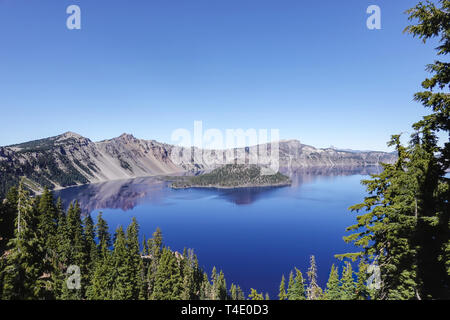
[
  {"x": 295, "y": 155},
  {"x": 70, "y": 159}
]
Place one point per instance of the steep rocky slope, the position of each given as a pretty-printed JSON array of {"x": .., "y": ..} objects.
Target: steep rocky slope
[{"x": 70, "y": 159}]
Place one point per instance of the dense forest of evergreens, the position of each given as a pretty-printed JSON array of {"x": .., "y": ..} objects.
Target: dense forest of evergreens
[{"x": 47, "y": 253}]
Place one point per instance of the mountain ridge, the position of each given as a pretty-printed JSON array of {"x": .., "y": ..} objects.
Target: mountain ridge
[{"x": 70, "y": 159}]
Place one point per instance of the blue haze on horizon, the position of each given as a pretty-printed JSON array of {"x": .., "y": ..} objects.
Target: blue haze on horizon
[{"x": 309, "y": 68}]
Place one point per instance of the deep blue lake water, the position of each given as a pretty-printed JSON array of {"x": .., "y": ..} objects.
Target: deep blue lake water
[{"x": 254, "y": 235}]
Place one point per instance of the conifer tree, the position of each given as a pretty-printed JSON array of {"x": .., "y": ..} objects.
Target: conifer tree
[
  {"x": 221, "y": 287},
  {"x": 75, "y": 232},
  {"x": 296, "y": 288},
  {"x": 102, "y": 282},
  {"x": 333, "y": 290},
  {"x": 314, "y": 292},
  {"x": 254, "y": 295},
  {"x": 103, "y": 275},
  {"x": 23, "y": 267},
  {"x": 168, "y": 281},
  {"x": 90, "y": 246},
  {"x": 431, "y": 159},
  {"x": 348, "y": 284},
  {"x": 155, "y": 245},
  {"x": 62, "y": 232},
  {"x": 102, "y": 230},
  {"x": 74, "y": 253},
  {"x": 47, "y": 229},
  {"x": 8, "y": 216},
  {"x": 189, "y": 285},
  {"x": 123, "y": 277},
  {"x": 144, "y": 246},
  {"x": 205, "y": 288},
  {"x": 406, "y": 227},
  {"x": 233, "y": 292},
  {"x": 291, "y": 285},
  {"x": 8, "y": 213},
  {"x": 59, "y": 209},
  {"x": 198, "y": 276},
  {"x": 282, "y": 295},
  {"x": 299, "y": 286},
  {"x": 362, "y": 292},
  {"x": 240, "y": 294},
  {"x": 136, "y": 267},
  {"x": 48, "y": 218},
  {"x": 59, "y": 264},
  {"x": 214, "y": 284}
]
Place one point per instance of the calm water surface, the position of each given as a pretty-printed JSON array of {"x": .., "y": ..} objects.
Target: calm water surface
[{"x": 254, "y": 235}]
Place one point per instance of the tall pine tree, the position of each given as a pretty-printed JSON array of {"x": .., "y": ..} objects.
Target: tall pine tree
[
  {"x": 348, "y": 287},
  {"x": 333, "y": 290},
  {"x": 282, "y": 295},
  {"x": 23, "y": 269},
  {"x": 313, "y": 292},
  {"x": 168, "y": 281}
]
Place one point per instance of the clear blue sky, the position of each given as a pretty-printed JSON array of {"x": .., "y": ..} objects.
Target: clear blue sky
[{"x": 147, "y": 67}]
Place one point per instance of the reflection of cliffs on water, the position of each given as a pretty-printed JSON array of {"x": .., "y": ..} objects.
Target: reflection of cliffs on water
[
  {"x": 123, "y": 194},
  {"x": 300, "y": 176},
  {"x": 126, "y": 194}
]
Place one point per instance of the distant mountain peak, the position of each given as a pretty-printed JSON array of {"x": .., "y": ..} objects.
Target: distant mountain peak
[
  {"x": 70, "y": 134},
  {"x": 127, "y": 136},
  {"x": 290, "y": 141}
]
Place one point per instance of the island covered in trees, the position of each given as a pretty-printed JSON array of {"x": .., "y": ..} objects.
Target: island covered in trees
[{"x": 232, "y": 176}]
